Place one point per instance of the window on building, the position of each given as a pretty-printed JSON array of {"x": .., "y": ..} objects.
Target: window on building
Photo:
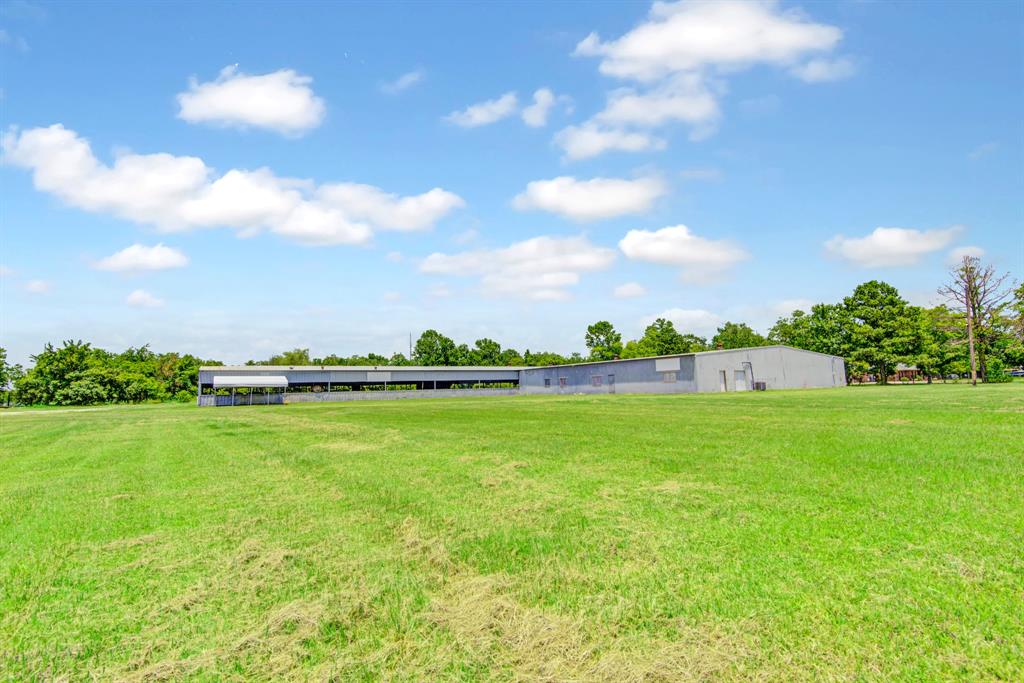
[
  {"x": 595, "y": 380},
  {"x": 563, "y": 382},
  {"x": 669, "y": 377},
  {"x": 547, "y": 382}
]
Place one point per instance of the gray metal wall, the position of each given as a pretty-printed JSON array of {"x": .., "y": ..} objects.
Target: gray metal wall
[
  {"x": 633, "y": 376},
  {"x": 779, "y": 367}
]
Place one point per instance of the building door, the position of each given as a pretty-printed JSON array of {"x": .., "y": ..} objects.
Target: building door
[
  {"x": 721, "y": 381},
  {"x": 611, "y": 384},
  {"x": 740, "y": 379}
]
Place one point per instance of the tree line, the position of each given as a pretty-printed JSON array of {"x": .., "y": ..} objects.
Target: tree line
[{"x": 978, "y": 332}]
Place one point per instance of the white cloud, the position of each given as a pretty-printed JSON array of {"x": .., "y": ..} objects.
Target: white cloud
[
  {"x": 688, "y": 321},
  {"x": 5, "y": 270},
  {"x": 957, "y": 254},
  {"x": 541, "y": 268},
  {"x": 394, "y": 256},
  {"x": 140, "y": 298},
  {"x": 706, "y": 173},
  {"x": 281, "y": 101},
  {"x": 682, "y": 53},
  {"x": 389, "y": 211},
  {"x": 536, "y": 115},
  {"x": 139, "y": 257},
  {"x": 484, "y": 113},
  {"x": 391, "y": 297},
  {"x": 684, "y": 97},
  {"x": 38, "y": 286},
  {"x": 588, "y": 200},
  {"x": 629, "y": 290},
  {"x": 702, "y": 260},
  {"x": 824, "y": 70},
  {"x": 182, "y": 193},
  {"x": 439, "y": 292},
  {"x": 693, "y": 36},
  {"x": 403, "y": 82},
  {"x": 891, "y": 246},
  {"x": 590, "y": 140}
]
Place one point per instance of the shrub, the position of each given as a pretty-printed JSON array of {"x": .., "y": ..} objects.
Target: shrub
[{"x": 82, "y": 392}]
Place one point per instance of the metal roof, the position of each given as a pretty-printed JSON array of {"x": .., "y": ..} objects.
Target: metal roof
[
  {"x": 476, "y": 368},
  {"x": 359, "y": 368},
  {"x": 255, "y": 381}
]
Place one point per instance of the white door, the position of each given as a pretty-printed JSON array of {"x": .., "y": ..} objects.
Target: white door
[
  {"x": 721, "y": 379},
  {"x": 740, "y": 378}
]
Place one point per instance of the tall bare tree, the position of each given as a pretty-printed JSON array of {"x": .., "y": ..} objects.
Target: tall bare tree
[{"x": 981, "y": 293}]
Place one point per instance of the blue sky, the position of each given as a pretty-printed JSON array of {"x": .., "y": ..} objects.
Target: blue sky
[{"x": 235, "y": 179}]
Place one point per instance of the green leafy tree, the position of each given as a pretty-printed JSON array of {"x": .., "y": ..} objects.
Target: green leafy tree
[
  {"x": 660, "y": 338},
  {"x": 433, "y": 348},
  {"x": 940, "y": 352},
  {"x": 9, "y": 374},
  {"x": 883, "y": 329},
  {"x": 603, "y": 341},
  {"x": 485, "y": 352},
  {"x": 737, "y": 336}
]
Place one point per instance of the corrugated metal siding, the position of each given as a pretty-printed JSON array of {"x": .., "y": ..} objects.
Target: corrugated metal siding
[
  {"x": 633, "y": 376},
  {"x": 778, "y": 367}
]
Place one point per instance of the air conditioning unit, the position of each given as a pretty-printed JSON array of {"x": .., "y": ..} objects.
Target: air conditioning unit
[{"x": 760, "y": 386}]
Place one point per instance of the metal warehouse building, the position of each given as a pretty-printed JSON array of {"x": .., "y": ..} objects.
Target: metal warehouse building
[{"x": 765, "y": 367}]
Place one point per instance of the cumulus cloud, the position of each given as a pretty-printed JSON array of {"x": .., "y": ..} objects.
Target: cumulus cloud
[
  {"x": 542, "y": 268},
  {"x": 681, "y": 54},
  {"x": 885, "y": 247},
  {"x": 702, "y": 260},
  {"x": 591, "y": 140},
  {"x": 685, "y": 98},
  {"x": 183, "y": 193},
  {"x": 536, "y": 114},
  {"x": 688, "y": 320},
  {"x": 140, "y": 298},
  {"x": 389, "y": 211},
  {"x": 139, "y": 257},
  {"x": 691, "y": 36},
  {"x": 957, "y": 254},
  {"x": 629, "y": 290},
  {"x": 824, "y": 70},
  {"x": 281, "y": 101},
  {"x": 38, "y": 286},
  {"x": 485, "y": 113},
  {"x": 403, "y": 82},
  {"x": 589, "y": 200}
]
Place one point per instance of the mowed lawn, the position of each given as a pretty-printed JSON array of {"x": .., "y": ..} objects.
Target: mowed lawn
[{"x": 849, "y": 534}]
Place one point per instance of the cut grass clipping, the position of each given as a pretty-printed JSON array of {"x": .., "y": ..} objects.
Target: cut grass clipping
[{"x": 854, "y": 534}]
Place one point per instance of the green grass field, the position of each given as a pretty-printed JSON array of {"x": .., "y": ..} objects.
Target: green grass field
[{"x": 866, "y": 533}]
